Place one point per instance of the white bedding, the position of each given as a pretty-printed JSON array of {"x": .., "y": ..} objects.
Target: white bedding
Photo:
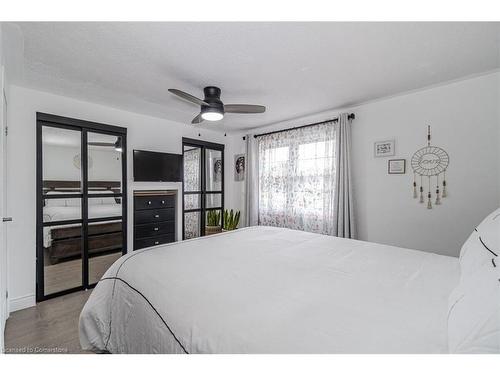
[
  {"x": 58, "y": 213},
  {"x": 271, "y": 290}
]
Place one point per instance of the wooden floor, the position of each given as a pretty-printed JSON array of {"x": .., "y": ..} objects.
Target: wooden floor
[
  {"x": 49, "y": 327},
  {"x": 66, "y": 275}
]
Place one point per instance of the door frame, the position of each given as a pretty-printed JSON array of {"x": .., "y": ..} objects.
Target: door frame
[
  {"x": 203, "y": 145},
  {"x": 84, "y": 127},
  {"x": 4, "y": 256}
]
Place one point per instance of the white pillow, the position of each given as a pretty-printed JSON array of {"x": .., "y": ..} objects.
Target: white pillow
[
  {"x": 73, "y": 202},
  {"x": 104, "y": 200},
  {"x": 473, "y": 255},
  {"x": 482, "y": 245},
  {"x": 489, "y": 231},
  {"x": 474, "y": 312},
  {"x": 108, "y": 200},
  {"x": 55, "y": 202}
]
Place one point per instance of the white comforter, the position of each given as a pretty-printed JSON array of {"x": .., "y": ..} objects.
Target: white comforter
[{"x": 271, "y": 290}]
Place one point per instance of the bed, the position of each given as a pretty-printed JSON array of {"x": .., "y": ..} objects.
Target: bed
[
  {"x": 63, "y": 242},
  {"x": 274, "y": 290}
]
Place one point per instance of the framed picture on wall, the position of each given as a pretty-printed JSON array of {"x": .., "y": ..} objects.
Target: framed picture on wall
[
  {"x": 384, "y": 148},
  {"x": 239, "y": 167},
  {"x": 397, "y": 166}
]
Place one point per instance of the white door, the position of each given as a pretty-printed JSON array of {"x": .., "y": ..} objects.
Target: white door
[{"x": 3, "y": 231}]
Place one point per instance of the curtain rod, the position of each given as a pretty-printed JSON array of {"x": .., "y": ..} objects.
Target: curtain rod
[{"x": 351, "y": 116}]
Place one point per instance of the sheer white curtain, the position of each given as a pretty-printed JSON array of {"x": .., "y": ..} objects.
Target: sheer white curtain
[
  {"x": 305, "y": 179},
  {"x": 297, "y": 178}
]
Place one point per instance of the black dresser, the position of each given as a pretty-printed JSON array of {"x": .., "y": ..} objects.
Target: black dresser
[{"x": 154, "y": 218}]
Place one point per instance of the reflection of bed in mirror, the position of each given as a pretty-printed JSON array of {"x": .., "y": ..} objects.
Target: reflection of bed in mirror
[{"x": 64, "y": 242}]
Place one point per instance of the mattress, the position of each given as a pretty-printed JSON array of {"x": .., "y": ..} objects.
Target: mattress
[{"x": 271, "y": 290}]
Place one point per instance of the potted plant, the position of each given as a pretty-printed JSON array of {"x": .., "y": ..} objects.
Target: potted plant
[
  {"x": 230, "y": 220},
  {"x": 213, "y": 222}
]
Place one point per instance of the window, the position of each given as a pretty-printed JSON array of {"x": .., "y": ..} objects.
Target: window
[{"x": 297, "y": 178}]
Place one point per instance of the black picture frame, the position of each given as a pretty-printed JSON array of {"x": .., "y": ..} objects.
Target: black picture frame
[{"x": 389, "y": 162}]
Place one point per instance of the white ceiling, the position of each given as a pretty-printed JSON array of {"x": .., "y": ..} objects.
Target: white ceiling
[{"x": 293, "y": 68}]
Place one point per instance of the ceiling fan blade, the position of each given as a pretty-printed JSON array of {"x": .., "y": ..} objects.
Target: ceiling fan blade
[
  {"x": 244, "y": 108},
  {"x": 198, "y": 119},
  {"x": 104, "y": 144},
  {"x": 188, "y": 97}
]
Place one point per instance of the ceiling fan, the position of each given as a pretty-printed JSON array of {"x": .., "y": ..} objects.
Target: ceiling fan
[
  {"x": 116, "y": 145},
  {"x": 212, "y": 108}
]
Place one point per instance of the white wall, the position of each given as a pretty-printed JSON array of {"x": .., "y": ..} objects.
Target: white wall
[
  {"x": 464, "y": 117},
  {"x": 144, "y": 132}
]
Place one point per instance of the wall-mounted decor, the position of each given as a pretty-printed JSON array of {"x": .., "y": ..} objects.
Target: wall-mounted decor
[
  {"x": 384, "y": 148},
  {"x": 428, "y": 163},
  {"x": 397, "y": 166},
  {"x": 239, "y": 167}
]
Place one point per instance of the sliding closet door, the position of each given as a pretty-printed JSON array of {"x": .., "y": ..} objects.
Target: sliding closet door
[
  {"x": 81, "y": 204},
  {"x": 60, "y": 259},
  {"x": 105, "y": 225},
  {"x": 203, "y": 186}
]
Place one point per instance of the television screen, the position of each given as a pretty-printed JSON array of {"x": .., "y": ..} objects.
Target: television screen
[{"x": 157, "y": 166}]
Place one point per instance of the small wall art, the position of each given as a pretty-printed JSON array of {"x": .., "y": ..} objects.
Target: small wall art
[
  {"x": 397, "y": 166},
  {"x": 384, "y": 148},
  {"x": 239, "y": 167}
]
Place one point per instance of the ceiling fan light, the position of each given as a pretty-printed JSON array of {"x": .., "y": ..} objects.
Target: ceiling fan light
[
  {"x": 212, "y": 115},
  {"x": 118, "y": 145}
]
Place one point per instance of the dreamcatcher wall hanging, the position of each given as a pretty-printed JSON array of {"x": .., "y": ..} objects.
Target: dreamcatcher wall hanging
[{"x": 429, "y": 168}]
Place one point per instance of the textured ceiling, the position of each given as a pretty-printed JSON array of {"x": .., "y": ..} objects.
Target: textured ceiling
[{"x": 293, "y": 68}]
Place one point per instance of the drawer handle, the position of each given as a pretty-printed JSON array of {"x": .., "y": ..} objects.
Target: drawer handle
[
  {"x": 157, "y": 242},
  {"x": 149, "y": 202},
  {"x": 157, "y": 216},
  {"x": 162, "y": 202},
  {"x": 156, "y": 228}
]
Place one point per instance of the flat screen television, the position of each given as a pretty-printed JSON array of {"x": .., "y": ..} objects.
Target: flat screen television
[{"x": 157, "y": 166}]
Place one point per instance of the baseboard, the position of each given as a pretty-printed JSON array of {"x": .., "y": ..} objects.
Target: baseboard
[{"x": 19, "y": 303}]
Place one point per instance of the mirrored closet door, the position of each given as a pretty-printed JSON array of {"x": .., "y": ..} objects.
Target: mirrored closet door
[
  {"x": 203, "y": 188},
  {"x": 81, "y": 205}
]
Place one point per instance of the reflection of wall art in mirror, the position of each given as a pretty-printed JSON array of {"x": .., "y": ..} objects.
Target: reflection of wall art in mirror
[
  {"x": 217, "y": 170},
  {"x": 384, "y": 148},
  {"x": 77, "y": 161},
  {"x": 239, "y": 167}
]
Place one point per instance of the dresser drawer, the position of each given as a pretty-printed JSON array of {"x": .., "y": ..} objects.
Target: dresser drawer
[
  {"x": 153, "y": 241},
  {"x": 154, "y": 201},
  {"x": 149, "y": 230},
  {"x": 154, "y": 216}
]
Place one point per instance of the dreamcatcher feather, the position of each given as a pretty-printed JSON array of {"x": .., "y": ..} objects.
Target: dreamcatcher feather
[{"x": 430, "y": 162}]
